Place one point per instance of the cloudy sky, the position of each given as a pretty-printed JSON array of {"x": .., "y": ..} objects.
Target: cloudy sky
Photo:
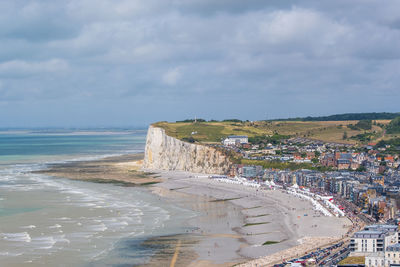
[{"x": 132, "y": 62}]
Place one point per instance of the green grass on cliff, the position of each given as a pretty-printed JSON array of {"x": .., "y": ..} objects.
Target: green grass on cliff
[
  {"x": 207, "y": 132},
  {"x": 214, "y": 132}
]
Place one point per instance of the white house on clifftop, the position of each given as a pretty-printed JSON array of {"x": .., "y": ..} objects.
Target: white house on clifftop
[{"x": 235, "y": 139}]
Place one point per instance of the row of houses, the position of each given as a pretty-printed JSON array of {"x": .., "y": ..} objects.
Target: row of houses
[
  {"x": 372, "y": 162},
  {"x": 367, "y": 191}
]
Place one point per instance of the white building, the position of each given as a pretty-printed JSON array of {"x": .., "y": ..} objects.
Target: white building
[
  {"x": 235, "y": 140},
  {"x": 379, "y": 243},
  {"x": 390, "y": 228},
  {"x": 391, "y": 257},
  {"x": 372, "y": 240},
  {"x": 376, "y": 259}
]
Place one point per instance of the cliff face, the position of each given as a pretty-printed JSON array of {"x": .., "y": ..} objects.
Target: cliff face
[{"x": 164, "y": 152}]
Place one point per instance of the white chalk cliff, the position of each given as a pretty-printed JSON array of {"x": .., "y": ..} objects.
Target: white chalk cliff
[{"x": 164, "y": 152}]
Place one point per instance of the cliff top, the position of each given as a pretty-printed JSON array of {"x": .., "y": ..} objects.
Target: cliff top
[{"x": 329, "y": 131}]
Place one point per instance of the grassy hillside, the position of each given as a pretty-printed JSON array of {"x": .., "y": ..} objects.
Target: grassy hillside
[
  {"x": 350, "y": 117},
  {"x": 329, "y": 131}
]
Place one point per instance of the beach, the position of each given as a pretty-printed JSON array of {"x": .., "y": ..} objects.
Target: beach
[
  {"x": 276, "y": 225},
  {"x": 235, "y": 224}
]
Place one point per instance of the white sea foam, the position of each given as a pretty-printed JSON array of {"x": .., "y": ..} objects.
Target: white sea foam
[
  {"x": 98, "y": 228},
  {"x": 63, "y": 218},
  {"x": 55, "y": 226},
  {"x": 81, "y": 236},
  {"x": 45, "y": 242},
  {"x": 16, "y": 237},
  {"x": 29, "y": 227},
  {"x": 7, "y": 253},
  {"x": 62, "y": 239},
  {"x": 117, "y": 225}
]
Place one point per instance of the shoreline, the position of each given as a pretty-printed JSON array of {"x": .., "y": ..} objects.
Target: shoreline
[
  {"x": 250, "y": 230},
  {"x": 125, "y": 171}
]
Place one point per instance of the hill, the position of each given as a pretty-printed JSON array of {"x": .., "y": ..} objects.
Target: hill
[
  {"x": 350, "y": 132},
  {"x": 349, "y": 117}
]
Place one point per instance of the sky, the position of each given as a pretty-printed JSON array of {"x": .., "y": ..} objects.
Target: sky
[{"x": 123, "y": 63}]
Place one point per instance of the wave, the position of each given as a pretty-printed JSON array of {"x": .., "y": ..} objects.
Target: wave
[
  {"x": 46, "y": 242},
  {"x": 16, "y": 237},
  {"x": 55, "y": 226},
  {"x": 29, "y": 227}
]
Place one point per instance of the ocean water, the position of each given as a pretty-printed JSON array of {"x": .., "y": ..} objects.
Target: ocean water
[{"x": 47, "y": 221}]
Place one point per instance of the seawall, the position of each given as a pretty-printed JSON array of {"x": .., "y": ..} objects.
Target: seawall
[{"x": 163, "y": 152}]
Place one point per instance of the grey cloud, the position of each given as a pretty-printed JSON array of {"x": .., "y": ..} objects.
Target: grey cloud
[
  {"x": 35, "y": 21},
  {"x": 188, "y": 54}
]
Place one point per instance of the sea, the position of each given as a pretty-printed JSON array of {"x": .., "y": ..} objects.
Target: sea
[{"x": 46, "y": 221}]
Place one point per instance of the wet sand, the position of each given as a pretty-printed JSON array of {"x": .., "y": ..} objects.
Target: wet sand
[{"x": 123, "y": 169}]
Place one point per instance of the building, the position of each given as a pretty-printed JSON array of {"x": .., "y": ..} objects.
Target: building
[
  {"x": 391, "y": 228},
  {"x": 366, "y": 242},
  {"x": 372, "y": 240},
  {"x": 233, "y": 140},
  {"x": 328, "y": 160},
  {"x": 379, "y": 243},
  {"x": 252, "y": 171},
  {"x": 392, "y": 255},
  {"x": 376, "y": 259},
  {"x": 343, "y": 164}
]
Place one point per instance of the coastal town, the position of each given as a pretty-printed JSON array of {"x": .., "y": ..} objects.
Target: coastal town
[
  {"x": 199, "y": 133},
  {"x": 359, "y": 182}
]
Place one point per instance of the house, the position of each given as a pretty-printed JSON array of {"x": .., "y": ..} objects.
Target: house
[
  {"x": 328, "y": 160},
  {"x": 233, "y": 140},
  {"x": 343, "y": 164},
  {"x": 392, "y": 255},
  {"x": 376, "y": 259}
]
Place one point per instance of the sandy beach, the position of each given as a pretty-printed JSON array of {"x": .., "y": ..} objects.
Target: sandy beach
[
  {"x": 276, "y": 225},
  {"x": 236, "y": 224}
]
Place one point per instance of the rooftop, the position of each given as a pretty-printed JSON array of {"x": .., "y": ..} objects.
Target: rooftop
[
  {"x": 372, "y": 232},
  {"x": 395, "y": 247},
  {"x": 369, "y": 234},
  {"x": 382, "y": 226}
]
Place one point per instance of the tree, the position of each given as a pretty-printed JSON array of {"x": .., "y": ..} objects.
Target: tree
[
  {"x": 394, "y": 126},
  {"x": 364, "y": 124},
  {"x": 361, "y": 169},
  {"x": 344, "y": 135}
]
